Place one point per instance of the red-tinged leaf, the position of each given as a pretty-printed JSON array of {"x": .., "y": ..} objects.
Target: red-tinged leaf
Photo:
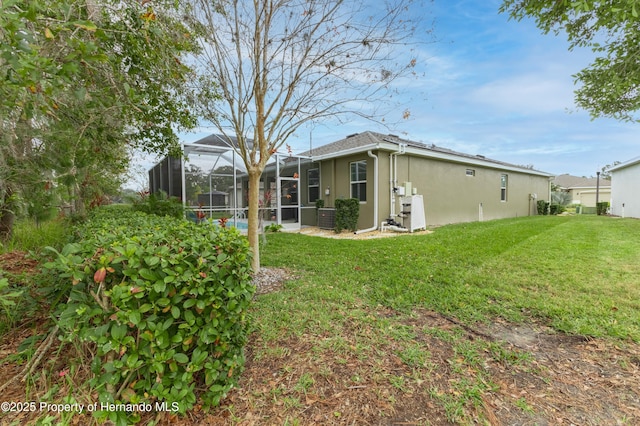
[
  {"x": 100, "y": 275},
  {"x": 63, "y": 373}
]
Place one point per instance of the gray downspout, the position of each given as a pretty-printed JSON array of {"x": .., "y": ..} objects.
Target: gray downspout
[{"x": 375, "y": 195}]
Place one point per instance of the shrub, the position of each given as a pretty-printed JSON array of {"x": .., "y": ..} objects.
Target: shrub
[
  {"x": 274, "y": 227},
  {"x": 159, "y": 204},
  {"x": 162, "y": 301},
  {"x": 602, "y": 207},
  {"x": 347, "y": 212},
  {"x": 543, "y": 207},
  {"x": 556, "y": 209}
]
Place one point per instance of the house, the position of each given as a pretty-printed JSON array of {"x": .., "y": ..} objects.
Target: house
[
  {"x": 400, "y": 183},
  {"x": 584, "y": 191},
  {"x": 383, "y": 171},
  {"x": 625, "y": 189}
]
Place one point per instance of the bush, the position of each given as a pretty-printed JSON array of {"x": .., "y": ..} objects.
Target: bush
[
  {"x": 347, "y": 213},
  {"x": 602, "y": 207},
  {"x": 556, "y": 209},
  {"x": 163, "y": 303},
  {"x": 160, "y": 204},
  {"x": 543, "y": 207}
]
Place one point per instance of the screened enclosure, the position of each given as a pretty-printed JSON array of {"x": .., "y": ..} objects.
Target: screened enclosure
[{"x": 212, "y": 182}]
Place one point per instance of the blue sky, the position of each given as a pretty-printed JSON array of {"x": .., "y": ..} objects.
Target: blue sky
[{"x": 499, "y": 88}]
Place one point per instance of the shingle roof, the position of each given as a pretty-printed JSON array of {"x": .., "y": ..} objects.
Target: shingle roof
[
  {"x": 568, "y": 181},
  {"x": 368, "y": 138}
]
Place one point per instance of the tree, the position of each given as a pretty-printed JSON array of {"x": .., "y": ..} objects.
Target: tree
[
  {"x": 610, "y": 84},
  {"x": 279, "y": 65},
  {"x": 86, "y": 81}
]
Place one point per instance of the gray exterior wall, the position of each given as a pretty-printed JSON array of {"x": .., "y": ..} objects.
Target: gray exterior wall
[{"x": 450, "y": 195}]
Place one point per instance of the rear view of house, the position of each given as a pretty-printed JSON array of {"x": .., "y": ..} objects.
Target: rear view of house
[
  {"x": 400, "y": 184},
  {"x": 383, "y": 170}
]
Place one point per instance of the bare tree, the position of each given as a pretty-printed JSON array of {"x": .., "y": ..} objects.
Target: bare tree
[{"x": 279, "y": 64}]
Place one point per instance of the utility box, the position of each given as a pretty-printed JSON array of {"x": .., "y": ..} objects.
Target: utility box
[
  {"x": 327, "y": 218},
  {"x": 412, "y": 213}
]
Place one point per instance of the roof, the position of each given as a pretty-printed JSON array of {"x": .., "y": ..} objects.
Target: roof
[
  {"x": 626, "y": 164},
  {"x": 568, "y": 181},
  {"x": 361, "y": 142},
  {"x": 214, "y": 144}
]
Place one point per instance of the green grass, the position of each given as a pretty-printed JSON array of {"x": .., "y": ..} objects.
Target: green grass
[
  {"x": 577, "y": 274},
  {"x": 31, "y": 236}
]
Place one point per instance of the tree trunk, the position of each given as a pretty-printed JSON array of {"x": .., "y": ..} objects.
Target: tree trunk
[
  {"x": 7, "y": 217},
  {"x": 254, "y": 225}
]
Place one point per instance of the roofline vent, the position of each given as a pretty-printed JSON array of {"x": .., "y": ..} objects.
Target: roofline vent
[
  {"x": 352, "y": 135},
  {"x": 480, "y": 156}
]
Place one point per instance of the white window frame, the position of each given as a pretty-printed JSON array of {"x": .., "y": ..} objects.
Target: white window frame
[
  {"x": 358, "y": 181},
  {"x": 504, "y": 185}
]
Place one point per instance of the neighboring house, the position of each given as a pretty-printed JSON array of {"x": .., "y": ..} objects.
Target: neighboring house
[
  {"x": 584, "y": 191},
  {"x": 379, "y": 170},
  {"x": 625, "y": 189},
  {"x": 455, "y": 187}
]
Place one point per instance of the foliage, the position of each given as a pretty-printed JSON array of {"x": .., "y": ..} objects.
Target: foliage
[
  {"x": 30, "y": 235},
  {"x": 7, "y": 297},
  {"x": 159, "y": 204},
  {"x": 274, "y": 227},
  {"x": 542, "y": 207},
  {"x": 319, "y": 203},
  {"x": 281, "y": 65},
  {"x": 347, "y": 213},
  {"x": 561, "y": 197},
  {"x": 556, "y": 209},
  {"x": 602, "y": 207},
  {"x": 162, "y": 302},
  {"x": 608, "y": 86},
  {"x": 84, "y": 82}
]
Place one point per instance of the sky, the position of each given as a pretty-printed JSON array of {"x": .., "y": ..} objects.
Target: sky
[{"x": 500, "y": 88}]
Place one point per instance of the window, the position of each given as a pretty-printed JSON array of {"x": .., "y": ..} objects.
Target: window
[
  {"x": 313, "y": 183},
  {"x": 471, "y": 172},
  {"x": 503, "y": 187},
  {"x": 359, "y": 180}
]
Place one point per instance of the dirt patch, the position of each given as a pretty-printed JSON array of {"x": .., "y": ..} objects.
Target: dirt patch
[
  {"x": 327, "y": 233},
  {"x": 17, "y": 262}
]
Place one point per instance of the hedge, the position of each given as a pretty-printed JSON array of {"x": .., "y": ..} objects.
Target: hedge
[{"x": 163, "y": 304}]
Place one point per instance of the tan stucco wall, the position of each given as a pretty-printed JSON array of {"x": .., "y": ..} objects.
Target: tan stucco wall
[
  {"x": 587, "y": 196},
  {"x": 450, "y": 196}
]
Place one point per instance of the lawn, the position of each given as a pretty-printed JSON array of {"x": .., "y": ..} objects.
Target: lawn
[
  {"x": 531, "y": 320},
  {"x": 580, "y": 274}
]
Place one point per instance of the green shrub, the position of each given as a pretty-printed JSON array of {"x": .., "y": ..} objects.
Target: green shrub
[
  {"x": 543, "y": 207},
  {"x": 347, "y": 213},
  {"x": 274, "y": 227},
  {"x": 159, "y": 204},
  {"x": 602, "y": 207},
  {"x": 556, "y": 209},
  {"x": 162, "y": 301}
]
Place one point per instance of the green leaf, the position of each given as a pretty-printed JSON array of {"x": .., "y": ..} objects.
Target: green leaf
[
  {"x": 135, "y": 317},
  {"x": 152, "y": 260},
  {"x": 175, "y": 312},
  {"x": 86, "y": 25},
  {"x": 181, "y": 358},
  {"x": 118, "y": 331}
]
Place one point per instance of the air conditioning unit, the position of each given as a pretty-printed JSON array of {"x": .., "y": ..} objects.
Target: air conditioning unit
[{"x": 327, "y": 218}]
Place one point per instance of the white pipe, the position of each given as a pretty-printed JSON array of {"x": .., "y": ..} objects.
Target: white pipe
[
  {"x": 397, "y": 228},
  {"x": 393, "y": 178},
  {"x": 375, "y": 194}
]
